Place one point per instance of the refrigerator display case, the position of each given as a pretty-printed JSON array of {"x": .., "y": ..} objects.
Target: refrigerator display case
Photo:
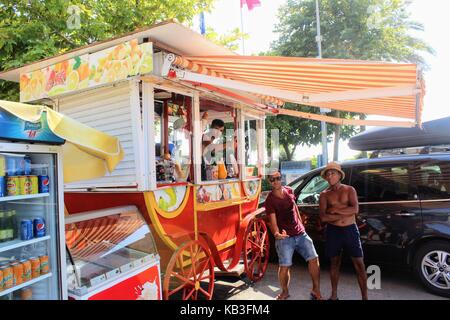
[
  {"x": 111, "y": 255},
  {"x": 32, "y": 251}
]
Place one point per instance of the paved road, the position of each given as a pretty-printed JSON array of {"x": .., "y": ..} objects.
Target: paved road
[{"x": 395, "y": 285}]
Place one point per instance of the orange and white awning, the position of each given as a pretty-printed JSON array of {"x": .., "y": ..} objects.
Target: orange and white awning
[{"x": 372, "y": 88}]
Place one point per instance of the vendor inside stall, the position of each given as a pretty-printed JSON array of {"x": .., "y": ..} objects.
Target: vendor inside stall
[{"x": 219, "y": 143}]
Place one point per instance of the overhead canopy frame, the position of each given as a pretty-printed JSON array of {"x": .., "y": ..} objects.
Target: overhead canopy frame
[{"x": 367, "y": 87}]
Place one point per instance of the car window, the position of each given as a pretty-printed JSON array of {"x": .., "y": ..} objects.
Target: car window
[
  {"x": 311, "y": 191},
  {"x": 433, "y": 180},
  {"x": 382, "y": 183}
]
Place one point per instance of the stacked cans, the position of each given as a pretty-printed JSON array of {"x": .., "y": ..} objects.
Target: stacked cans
[
  {"x": 16, "y": 178},
  {"x": 30, "y": 229}
]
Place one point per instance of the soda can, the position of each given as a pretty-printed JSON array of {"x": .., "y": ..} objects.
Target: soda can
[
  {"x": 34, "y": 184},
  {"x": 26, "y": 270},
  {"x": 44, "y": 184},
  {"x": 35, "y": 267},
  {"x": 3, "y": 192},
  {"x": 27, "y": 165},
  {"x": 26, "y": 229},
  {"x": 8, "y": 281},
  {"x": 17, "y": 273},
  {"x": 13, "y": 186},
  {"x": 25, "y": 185},
  {"x": 2, "y": 165},
  {"x": 45, "y": 268},
  {"x": 11, "y": 166},
  {"x": 39, "y": 227},
  {"x": 26, "y": 293}
]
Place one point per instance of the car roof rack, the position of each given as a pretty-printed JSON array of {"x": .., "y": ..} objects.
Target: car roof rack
[{"x": 410, "y": 151}]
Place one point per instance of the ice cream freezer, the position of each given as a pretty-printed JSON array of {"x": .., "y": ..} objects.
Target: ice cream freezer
[{"x": 111, "y": 255}]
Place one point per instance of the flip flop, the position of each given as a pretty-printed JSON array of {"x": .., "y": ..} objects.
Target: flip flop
[{"x": 282, "y": 296}]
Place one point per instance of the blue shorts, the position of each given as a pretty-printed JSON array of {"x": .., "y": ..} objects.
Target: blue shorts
[
  {"x": 301, "y": 243},
  {"x": 343, "y": 238}
]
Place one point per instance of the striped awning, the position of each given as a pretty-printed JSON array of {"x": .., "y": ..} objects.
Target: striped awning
[{"x": 368, "y": 87}]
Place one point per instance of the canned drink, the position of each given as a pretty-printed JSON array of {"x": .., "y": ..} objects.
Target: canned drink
[
  {"x": 13, "y": 186},
  {"x": 26, "y": 294},
  {"x": 45, "y": 268},
  {"x": 3, "y": 192},
  {"x": 34, "y": 184},
  {"x": 44, "y": 184},
  {"x": 35, "y": 267},
  {"x": 27, "y": 165},
  {"x": 2, "y": 165},
  {"x": 25, "y": 184},
  {"x": 26, "y": 270},
  {"x": 26, "y": 229},
  {"x": 8, "y": 281},
  {"x": 39, "y": 227},
  {"x": 11, "y": 166},
  {"x": 17, "y": 273}
]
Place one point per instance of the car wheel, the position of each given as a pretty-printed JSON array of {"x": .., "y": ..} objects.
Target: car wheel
[{"x": 432, "y": 267}]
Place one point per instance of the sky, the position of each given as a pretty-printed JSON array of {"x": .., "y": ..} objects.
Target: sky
[{"x": 433, "y": 14}]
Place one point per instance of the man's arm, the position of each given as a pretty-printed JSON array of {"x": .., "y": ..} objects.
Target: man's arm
[
  {"x": 274, "y": 228},
  {"x": 323, "y": 214},
  {"x": 350, "y": 210}
]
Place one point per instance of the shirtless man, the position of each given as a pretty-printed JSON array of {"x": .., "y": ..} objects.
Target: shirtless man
[{"x": 338, "y": 207}]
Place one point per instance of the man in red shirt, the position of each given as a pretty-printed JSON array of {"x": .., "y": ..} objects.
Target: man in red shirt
[{"x": 290, "y": 236}]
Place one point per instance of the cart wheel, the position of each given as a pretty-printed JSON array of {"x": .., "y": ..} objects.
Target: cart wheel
[
  {"x": 190, "y": 273},
  {"x": 256, "y": 249}
]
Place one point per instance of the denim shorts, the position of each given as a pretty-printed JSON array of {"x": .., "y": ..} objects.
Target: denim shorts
[{"x": 301, "y": 243}]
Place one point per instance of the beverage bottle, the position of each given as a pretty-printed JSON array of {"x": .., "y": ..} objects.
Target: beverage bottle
[
  {"x": 14, "y": 224},
  {"x": 9, "y": 226},
  {"x": 2, "y": 226}
]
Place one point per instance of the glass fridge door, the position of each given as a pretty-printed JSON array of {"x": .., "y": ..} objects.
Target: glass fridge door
[{"x": 30, "y": 255}]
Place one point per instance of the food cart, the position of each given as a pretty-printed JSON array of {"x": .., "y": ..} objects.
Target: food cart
[{"x": 142, "y": 89}]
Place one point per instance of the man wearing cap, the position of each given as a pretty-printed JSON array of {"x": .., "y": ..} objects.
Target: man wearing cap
[
  {"x": 290, "y": 236},
  {"x": 338, "y": 207}
]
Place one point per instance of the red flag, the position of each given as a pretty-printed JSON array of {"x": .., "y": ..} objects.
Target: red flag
[{"x": 250, "y": 4}]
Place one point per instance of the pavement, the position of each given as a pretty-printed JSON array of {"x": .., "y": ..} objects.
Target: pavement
[{"x": 395, "y": 285}]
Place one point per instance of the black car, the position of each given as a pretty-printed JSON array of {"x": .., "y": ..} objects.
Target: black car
[{"x": 404, "y": 212}]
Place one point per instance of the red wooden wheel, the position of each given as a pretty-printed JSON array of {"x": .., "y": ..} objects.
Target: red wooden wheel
[
  {"x": 256, "y": 249},
  {"x": 190, "y": 273}
]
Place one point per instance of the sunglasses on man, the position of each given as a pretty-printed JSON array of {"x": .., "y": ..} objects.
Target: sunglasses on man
[{"x": 275, "y": 179}]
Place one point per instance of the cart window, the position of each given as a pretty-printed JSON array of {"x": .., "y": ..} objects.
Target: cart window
[
  {"x": 219, "y": 142},
  {"x": 251, "y": 148},
  {"x": 172, "y": 137}
]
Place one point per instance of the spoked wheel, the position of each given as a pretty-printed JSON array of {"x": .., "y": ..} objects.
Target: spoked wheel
[
  {"x": 256, "y": 249},
  {"x": 190, "y": 273}
]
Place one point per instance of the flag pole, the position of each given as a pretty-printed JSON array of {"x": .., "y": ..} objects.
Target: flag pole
[{"x": 242, "y": 32}]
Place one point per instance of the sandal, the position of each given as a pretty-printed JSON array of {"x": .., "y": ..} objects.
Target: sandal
[
  {"x": 282, "y": 296},
  {"x": 313, "y": 296}
]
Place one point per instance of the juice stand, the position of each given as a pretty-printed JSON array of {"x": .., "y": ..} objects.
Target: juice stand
[{"x": 159, "y": 91}]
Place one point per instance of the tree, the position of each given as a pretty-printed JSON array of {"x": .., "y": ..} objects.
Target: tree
[
  {"x": 351, "y": 29},
  {"x": 229, "y": 40},
  {"x": 31, "y": 29}
]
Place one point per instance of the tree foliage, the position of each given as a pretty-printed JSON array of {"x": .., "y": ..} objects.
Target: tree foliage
[
  {"x": 34, "y": 29},
  {"x": 230, "y": 40},
  {"x": 351, "y": 29}
]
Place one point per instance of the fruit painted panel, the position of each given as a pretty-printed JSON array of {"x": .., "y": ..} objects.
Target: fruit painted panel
[
  {"x": 87, "y": 71},
  {"x": 119, "y": 62},
  {"x": 170, "y": 199},
  {"x": 56, "y": 79},
  {"x": 219, "y": 192}
]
